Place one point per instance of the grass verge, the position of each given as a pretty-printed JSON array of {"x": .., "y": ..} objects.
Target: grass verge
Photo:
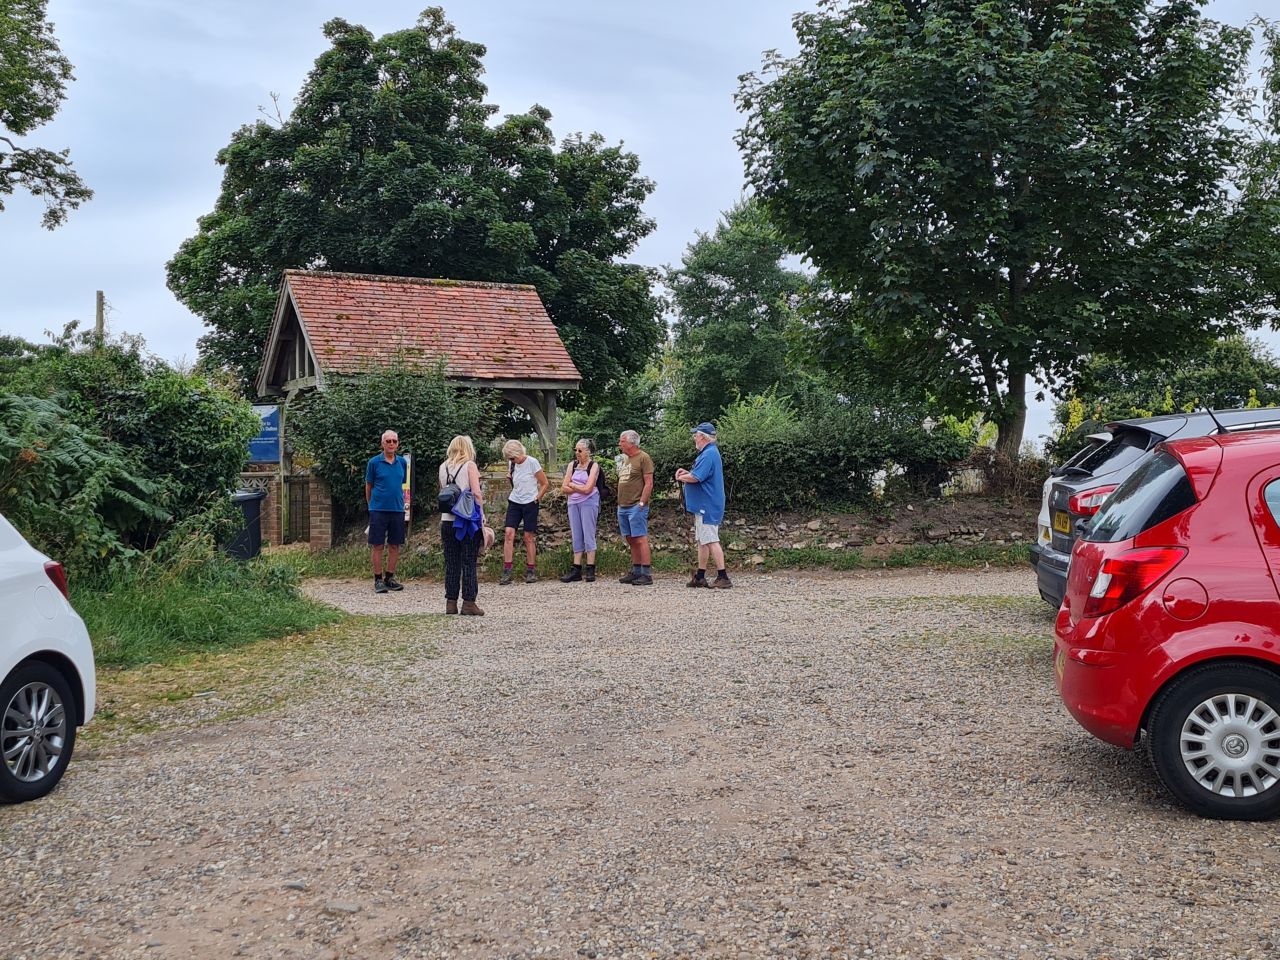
[
  {"x": 197, "y": 689},
  {"x": 944, "y": 556},
  {"x": 158, "y": 616},
  {"x": 418, "y": 562},
  {"x": 428, "y": 563}
]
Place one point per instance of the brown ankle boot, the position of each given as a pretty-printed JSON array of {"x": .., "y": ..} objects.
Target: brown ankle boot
[
  {"x": 469, "y": 609},
  {"x": 451, "y": 606}
]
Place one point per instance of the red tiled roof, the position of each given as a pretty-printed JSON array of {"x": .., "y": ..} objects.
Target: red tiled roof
[{"x": 488, "y": 331}]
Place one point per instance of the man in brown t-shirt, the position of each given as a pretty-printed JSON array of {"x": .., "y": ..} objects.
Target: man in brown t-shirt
[{"x": 635, "y": 489}]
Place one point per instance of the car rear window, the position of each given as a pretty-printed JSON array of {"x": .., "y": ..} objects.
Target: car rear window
[
  {"x": 1154, "y": 492},
  {"x": 1124, "y": 448},
  {"x": 1272, "y": 495}
]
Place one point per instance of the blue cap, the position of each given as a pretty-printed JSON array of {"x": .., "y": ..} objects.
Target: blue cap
[{"x": 708, "y": 428}]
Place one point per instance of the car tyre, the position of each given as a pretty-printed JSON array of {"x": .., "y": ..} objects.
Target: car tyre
[
  {"x": 1215, "y": 741},
  {"x": 33, "y": 756}
]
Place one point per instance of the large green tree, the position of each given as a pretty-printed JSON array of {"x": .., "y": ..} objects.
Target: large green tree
[
  {"x": 1232, "y": 372},
  {"x": 733, "y": 298},
  {"x": 999, "y": 189},
  {"x": 33, "y": 81},
  {"x": 389, "y": 164}
]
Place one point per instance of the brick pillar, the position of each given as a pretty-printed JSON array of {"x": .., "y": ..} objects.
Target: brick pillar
[
  {"x": 321, "y": 517},
  {"x": 271, "y": 532}
]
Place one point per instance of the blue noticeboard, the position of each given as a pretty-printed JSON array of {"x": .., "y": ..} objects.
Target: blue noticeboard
[{"x": 265, "y": 447}]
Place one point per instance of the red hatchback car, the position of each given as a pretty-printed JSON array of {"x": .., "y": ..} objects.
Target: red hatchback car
[{"x": 1171, "y": 622}]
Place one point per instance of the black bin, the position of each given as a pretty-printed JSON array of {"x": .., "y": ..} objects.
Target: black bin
[{"x": 248, "y": 542}]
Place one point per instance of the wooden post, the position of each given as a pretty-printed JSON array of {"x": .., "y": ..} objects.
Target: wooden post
[{"x": 99, "y": 322}]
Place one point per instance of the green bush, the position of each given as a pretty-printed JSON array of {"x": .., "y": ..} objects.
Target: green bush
[
  {"x": 187, "y": 596},
  {"x": 781, "y": 453},
  {"x": 73, "y": 494},
  {"x": 185, "y": 430},
  {"x": 340, "y": 428},
  {"x": 181, "y": 430}
]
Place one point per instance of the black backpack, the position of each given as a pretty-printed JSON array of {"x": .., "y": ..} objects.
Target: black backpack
[{"x": 449, "y": 495}]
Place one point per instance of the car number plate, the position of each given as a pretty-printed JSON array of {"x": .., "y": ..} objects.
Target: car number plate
[{"x": 1062, "y": 521}]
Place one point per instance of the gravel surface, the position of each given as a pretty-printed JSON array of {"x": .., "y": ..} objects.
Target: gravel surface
[{"x": 803, "y": 766}]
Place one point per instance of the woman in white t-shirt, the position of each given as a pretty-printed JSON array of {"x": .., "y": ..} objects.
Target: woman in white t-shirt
[
  {"x": 460, "y": 553},
  {"x": 528, "y": 486}
]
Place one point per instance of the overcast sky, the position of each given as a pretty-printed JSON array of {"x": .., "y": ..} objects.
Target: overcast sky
[{"x": 161, "y": 85}]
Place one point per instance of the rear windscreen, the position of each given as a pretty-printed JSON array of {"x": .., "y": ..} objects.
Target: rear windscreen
[
  {"x": 1120, "y": 451},
  {"x": 1154, "y": 492}
]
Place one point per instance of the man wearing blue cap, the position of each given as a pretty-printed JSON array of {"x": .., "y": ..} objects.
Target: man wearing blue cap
[{"x": 704, "y": 498}]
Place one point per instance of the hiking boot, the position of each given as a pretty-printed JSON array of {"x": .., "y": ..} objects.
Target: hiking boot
[
  {"x": 591, "y": 573},
  {"x": 379, "y": 585},
  {"x": 392, "y": 583},
  {"x": 697, "y": 581},
  {"x": 573, "y": 576},
  {"x": 530, "y": 577},
  {"x": 720, "y": 583},
  {"x": 451, "y": 606},
  {"x": 642, "y": 580},
  {"x": 469, "y": 609},
  {"x": 505, "y": 578},
  {"x": 627, "y": 577}
]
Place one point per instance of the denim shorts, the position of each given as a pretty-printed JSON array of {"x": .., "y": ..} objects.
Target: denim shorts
[
  {"x": 386, "y": 526},
  {"x": 634, "y": 521}
]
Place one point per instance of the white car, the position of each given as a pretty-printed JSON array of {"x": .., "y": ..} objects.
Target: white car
[
  {"x": 1044, "y": 534},
  {"x": 47, "y": 679}
]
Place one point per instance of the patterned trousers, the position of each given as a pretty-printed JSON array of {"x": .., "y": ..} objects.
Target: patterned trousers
[{"x": 459, "y": 563}]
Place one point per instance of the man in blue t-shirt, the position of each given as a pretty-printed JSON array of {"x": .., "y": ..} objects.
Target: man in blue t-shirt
[
  {"x": 384, "y": 478},
  {"x": 704, "y": 498}
]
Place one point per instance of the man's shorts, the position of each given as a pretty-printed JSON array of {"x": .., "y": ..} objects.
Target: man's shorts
[
  {"x": 633, "y": 521},
  {"x": 386, "y": 526},
  {"x": 526, "y": 513},
  {"x": 705, "y": 532}
]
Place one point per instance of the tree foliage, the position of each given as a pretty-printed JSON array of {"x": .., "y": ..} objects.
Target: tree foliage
[
  {"x": 338, "y": 430},
  {"x": 186, "y": 434},
  {"x": 997, "y": 190},
  {"x": 1231, "y": 372},
  {"x": 389, "y": 164},
  {"x": 73, "y": 493},
  {"x": 631, "y": 404},
  {"x": 733, "y": 300},
  {"x": 33, "y": 79}
]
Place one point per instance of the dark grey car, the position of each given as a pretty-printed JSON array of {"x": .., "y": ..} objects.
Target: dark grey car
[{"x": 1080, "y": 489}]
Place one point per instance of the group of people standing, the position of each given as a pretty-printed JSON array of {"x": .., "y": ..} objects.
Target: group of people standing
[{"x": 463, "y": 531}]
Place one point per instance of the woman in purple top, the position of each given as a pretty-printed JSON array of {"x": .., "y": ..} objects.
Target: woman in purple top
[{"x": 580, "y": 478}]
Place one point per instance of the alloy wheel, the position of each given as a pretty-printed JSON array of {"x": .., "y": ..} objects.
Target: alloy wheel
[{"x": 33, "y": 732}]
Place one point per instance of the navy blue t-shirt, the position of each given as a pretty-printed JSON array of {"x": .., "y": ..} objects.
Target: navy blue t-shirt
[{"x": 388, "y": 482}]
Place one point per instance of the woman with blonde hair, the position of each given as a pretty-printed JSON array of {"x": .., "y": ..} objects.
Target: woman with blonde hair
[
  {"x": 528, "y": 486},
  {"x": 460, "y": 537},
  {"x": 581, "y": 478}
]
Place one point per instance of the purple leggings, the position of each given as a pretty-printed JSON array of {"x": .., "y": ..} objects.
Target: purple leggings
[{"x": 582, "y": 523}]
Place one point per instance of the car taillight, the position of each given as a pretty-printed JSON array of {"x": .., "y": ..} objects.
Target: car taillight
[
  {"x": 1128, "y": 576},
  {"x": 1087, "y": 502},
  {"x": 58, "y": 576}
]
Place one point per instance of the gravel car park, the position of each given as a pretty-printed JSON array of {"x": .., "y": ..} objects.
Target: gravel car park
[{"x": 805, "y": 766}]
